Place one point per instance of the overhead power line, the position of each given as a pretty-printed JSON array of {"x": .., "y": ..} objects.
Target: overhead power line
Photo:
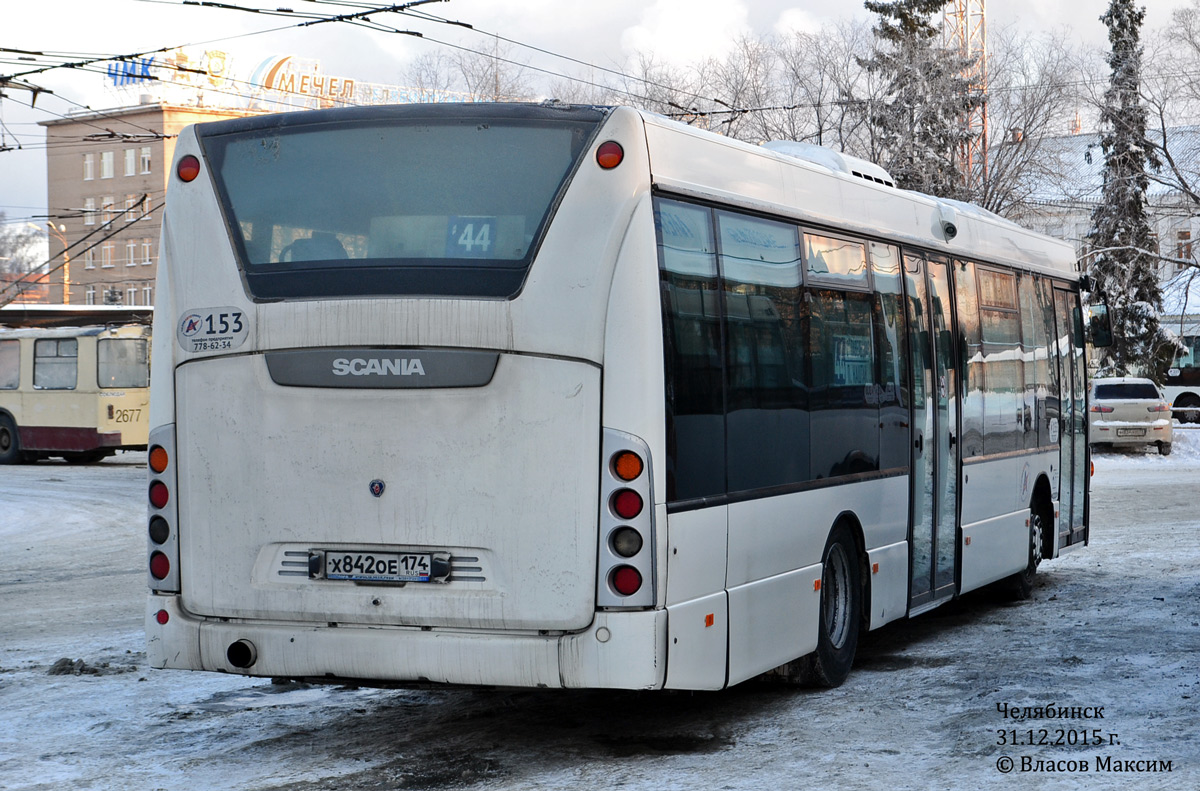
[{"x": 13, "y": 289}]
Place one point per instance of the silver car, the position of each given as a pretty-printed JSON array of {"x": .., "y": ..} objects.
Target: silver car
[{"x": 1128, "y": 411}]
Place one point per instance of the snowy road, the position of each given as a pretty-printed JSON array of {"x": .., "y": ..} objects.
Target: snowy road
[{"x": 1116, "y": 625}]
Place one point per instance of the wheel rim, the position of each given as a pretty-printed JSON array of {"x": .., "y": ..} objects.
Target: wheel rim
[
  {"x": 835, "y": 604},
  {"x": 5, "y": 439},
  {"x": 1035, "y": 540}
]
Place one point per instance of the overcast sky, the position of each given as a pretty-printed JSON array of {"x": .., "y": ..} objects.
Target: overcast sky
[{"x": 604, "y": 33}]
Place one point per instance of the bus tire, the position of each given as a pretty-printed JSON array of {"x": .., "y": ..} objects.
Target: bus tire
[
  {"x": 840, "y": 613},
  {"x": 1020, "y": 585},
  {"x": 10, "y": 441}
]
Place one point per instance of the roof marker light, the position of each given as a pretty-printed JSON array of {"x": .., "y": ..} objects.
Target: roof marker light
[
  {"x": 609, "y": 154},
  {"x": 188, "y": 168}
]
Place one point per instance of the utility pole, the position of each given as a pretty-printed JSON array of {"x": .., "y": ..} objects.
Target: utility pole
[{"x": 964, "y": 31}]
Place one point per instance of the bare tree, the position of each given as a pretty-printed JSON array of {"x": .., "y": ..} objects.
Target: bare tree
[
  {"x": 20, "y": 247},
  {"x": 431, "y": 76},
  {"x": 744, "y": 81},
  {"x": 661, "y": 88},
  {"x": 493, "y": 76},
  {"x": 1172, "y": 96},
  {"x": 1031, "y": 98},
  {"x": 825, "y": 91}
]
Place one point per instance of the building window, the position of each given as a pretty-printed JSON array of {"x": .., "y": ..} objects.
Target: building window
[
  {"x": 146, "y": 254},
  {"x": 89, "y": 167},
  {"x": 106, "y": 164},
  {"x": 106, "y": 255},
  {"x": 106, "y": 209},
  {"x": 145, "y": 159},
  {"x": 1183, "y": 250},
  {"x": 131, "y": 296},
  {"x": 147, "y": 295},
  {"x": 131, "y": 202},
  {"x": 89, "y": 211},
  {"x": 89, "y": 259},
  {"x": 131, "y": 252},
  {"x": 90, "y": 298},
  {"x": 130, "y": 161}
]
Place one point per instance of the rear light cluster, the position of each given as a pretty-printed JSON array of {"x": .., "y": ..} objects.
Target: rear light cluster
[
  {"x": 1103, "y": 409},
  {"x": 1158, "y": 408},
  {"x": 625, "y": 576},
  {"x": 162, "y": 525}
]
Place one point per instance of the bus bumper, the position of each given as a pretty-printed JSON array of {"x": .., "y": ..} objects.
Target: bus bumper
[{"x": 620, "y": 650}]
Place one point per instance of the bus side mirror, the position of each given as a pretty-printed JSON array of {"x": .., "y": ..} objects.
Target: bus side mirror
[{"x": 1099, "y": 328}]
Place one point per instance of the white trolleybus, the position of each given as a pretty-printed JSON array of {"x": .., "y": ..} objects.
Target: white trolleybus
[
  {"x": 549, "y": 396},
  {"x": 81, "y": 393}
]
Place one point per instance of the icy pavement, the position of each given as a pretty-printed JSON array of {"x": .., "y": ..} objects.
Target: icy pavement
[{"x": 1115, "y": 625}]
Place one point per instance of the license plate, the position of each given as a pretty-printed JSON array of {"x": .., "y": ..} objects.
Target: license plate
[
  {"x": 1131, "y": 432},
  {"x": 382, "y": 566}
]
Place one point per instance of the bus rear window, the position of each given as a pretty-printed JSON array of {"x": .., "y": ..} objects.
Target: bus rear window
[{"x": 403, "y": 203}]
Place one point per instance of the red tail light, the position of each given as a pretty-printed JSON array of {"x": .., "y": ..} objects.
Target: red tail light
[
  {"x": 162, "y": 616},
  {"x": 159, "y": 494},
  {"x": 160, "y": 566},
  {"x": 1098, "y": 408},
  {"x": 1158, "y": 408},
  {"x": 626, "y": 580},
  {"x": 627, "y": 503}
]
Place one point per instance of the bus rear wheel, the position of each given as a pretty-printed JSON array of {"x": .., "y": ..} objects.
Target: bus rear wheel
[
  {"x": 10, "y": 441},
  {"x": 1020, "y": 585},
  {"x": 840, "y": 616}
]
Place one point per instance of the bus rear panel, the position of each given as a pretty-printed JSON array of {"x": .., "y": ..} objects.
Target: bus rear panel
[{"x": 383, "y": 449}]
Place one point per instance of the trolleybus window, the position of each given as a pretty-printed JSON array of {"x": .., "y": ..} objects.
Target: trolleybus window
[
  {"x": 55, "y": 364},
  {"x": 412, "y": 205},
  {"x": 10, "y": 365},
  {"x": 122, "y": 362}
]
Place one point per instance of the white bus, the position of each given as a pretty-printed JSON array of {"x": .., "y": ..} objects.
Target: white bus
[
  {"x": 81, "y": 393},
  {"x": 551, "y": 396},
  {"x": 1182, "y": 385}
]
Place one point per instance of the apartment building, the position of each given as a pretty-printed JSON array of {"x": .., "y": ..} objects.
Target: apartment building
[{"x": 107, "y": 175}]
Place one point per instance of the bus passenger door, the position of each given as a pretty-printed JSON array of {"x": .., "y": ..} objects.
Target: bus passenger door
[
  {"x": 934, "y": 479},
  {"x": 1072, "y": 448}
]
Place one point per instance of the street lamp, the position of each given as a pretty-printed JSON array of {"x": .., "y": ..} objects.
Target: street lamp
[
  {"x": 58, "y": 231},
  {"x": 59, "y": 234}
]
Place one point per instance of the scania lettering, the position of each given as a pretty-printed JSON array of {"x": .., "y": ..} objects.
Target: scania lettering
[
  {"x": 378, "y": 367},
  {"x": 580, "y": 397}
]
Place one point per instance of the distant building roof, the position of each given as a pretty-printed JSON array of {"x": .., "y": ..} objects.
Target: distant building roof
[{"x": 1077, "y": 171}]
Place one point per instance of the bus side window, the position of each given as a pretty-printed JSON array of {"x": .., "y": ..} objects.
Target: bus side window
[
  {"x": 891, "y": 338},
  {"x": 767, "y": 419},
  {"x": 692, "y": 348},
  {"x": 844, "y": 400}
]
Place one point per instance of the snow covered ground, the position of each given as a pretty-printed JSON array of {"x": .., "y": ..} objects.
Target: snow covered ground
[{"x": 1115, "y": 625}]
